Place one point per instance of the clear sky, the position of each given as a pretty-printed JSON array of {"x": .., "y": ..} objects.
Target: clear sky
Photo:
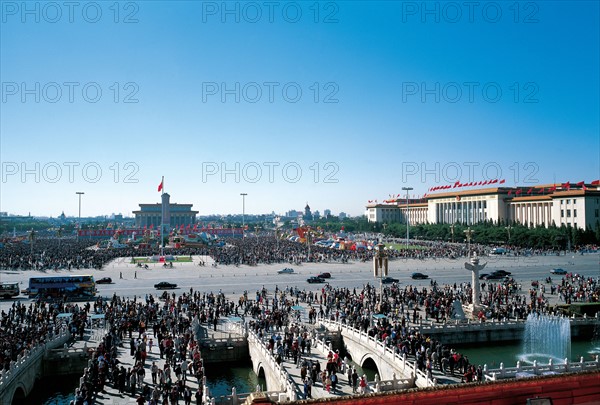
[{"x": 330, "y": 103}]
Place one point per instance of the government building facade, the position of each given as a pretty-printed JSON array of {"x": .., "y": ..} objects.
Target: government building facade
[
  {"x": 542, "y": 205},
  {"x": 150, "y": 215}
]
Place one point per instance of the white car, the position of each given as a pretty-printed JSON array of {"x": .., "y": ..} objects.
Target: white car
[{"x": 287, "y": 270}]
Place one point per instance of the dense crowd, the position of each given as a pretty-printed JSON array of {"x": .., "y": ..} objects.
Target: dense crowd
[
  {"x": 24, "y": 327},
  {"x": 171, "y": 326},
  {"x": 68, "y": 253}
]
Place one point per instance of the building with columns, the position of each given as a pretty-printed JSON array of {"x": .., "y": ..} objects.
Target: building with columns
[
  {"x": 150, "y": 215},
  {"x": 542, "y": 205}
]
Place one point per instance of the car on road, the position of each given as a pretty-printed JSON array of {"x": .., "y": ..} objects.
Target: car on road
[
  {"x": 104, "y": 280},
  {"x": 389, "y": 280},
  {"x": 558, "y": 271},
  {"x": 494, "y": 276},
  {"x": 165, "y": 285},
  {"x": 324, "y": 275},
  {"x": 419, "y": 276},
  {"x": 287, "y": 270},
  {"x": 502, "y": 272},
  {"x": 315, "y": 279}
]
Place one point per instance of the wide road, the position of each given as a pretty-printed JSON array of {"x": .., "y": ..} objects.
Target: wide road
[{"x": 233, "y": 281}]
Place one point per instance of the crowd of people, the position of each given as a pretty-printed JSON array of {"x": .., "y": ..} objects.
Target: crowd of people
[
  {"x": 171, "y": 326},
  {"x": 68, "y": 253},
  {"x": 23, "y": 327}
]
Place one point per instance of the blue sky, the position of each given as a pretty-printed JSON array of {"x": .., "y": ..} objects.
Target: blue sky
[{"x": 336, "y": 103}]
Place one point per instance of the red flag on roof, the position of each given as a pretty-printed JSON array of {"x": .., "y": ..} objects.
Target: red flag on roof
[
  {"x": 596, "y": 183},
  {"x": 530, "y": 190},
  {"x": 509, "y": 192},
  {"x": 501, "y": 181},
  {"x": 552, "y": 189},
  {"x": 541, "y": 190},
  {"x": 518, "y": 192},
  {"x": 566, "y": 185}
]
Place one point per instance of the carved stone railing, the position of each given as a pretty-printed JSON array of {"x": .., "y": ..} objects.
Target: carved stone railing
[
  {"x": 536, "y": 369},
  {"x": 28, "y": 357},
  {"x": 402, "y": 364}
]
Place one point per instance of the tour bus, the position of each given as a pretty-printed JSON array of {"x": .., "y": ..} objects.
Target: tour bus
[
  {"x": 9, "y": 290},
  {"x": 70, "y": 287}
]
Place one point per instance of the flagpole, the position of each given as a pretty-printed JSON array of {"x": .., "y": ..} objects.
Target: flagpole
[{"x": 162, "y": 217}]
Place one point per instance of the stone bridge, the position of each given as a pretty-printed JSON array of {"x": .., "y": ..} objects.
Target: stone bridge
[
  {"x": 279, "y": 382},
  {"x": 363, "y": 348},
  {"x": 17, "y": 382}
]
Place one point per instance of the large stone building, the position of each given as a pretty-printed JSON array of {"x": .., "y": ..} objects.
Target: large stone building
[
  {"x": 150, "y": 215},
  {"x": 542, "y": 205}
]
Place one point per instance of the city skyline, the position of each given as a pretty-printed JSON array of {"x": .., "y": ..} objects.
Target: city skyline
[{"x": 335, "y": 103}]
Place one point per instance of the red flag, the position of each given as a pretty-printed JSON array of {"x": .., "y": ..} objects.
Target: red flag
[
  {"x": 160, "y": 186},
  {"x": 518, "y": 192},
  {"x": 530, "y": 190},
  {"x": 596, "y": 183},
  {"x": 501, "y": 181},
  {"x": 509, "y": 192},
  {"x": 541, "y": 191},
  {"x": 566, "y": 185},
  {"x": 552, "y": 189}
]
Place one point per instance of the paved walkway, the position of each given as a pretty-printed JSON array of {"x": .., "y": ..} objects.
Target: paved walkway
[{"x": 111, "y": 396}]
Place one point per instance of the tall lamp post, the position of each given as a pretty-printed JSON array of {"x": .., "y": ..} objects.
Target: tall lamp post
[
  {"x": 469, "y": 234},
  {"x": 508, "y": 228},
  {"x": 452, "y": 232},
  {"x": 407, "y": 189},
  {"x": 380, "y": 269},
  {"x": 243, "y": 212},
  {"x": 79, "y": 193}
]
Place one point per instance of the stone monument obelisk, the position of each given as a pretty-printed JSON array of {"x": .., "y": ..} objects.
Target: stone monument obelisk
[{"x": 474, "y": 266}]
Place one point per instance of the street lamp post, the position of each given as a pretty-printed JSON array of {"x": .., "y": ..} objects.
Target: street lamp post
[
  {"x": 469, "y": 234},
  {"x": 380, "y": 269},
  {"x": 508, "y": 228},
  {"x": 79, "y": 193},
  {"x": 407, "y": 189},
  {"x": 243, "y": 212},
  {"x": 452, "y": 232}
]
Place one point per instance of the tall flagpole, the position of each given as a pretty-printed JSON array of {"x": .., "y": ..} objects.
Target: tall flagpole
[{"x": 162, "y": 217}]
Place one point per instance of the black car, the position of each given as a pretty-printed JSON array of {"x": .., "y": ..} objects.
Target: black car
[
  {"x": 164, "y": 285},
  {"x": 419, "y": 276},
  {"x": 502, "y": 272},
  {"x": 324, "y": 275},
  {"x": 104, "y": 280},
  {"x": 315, "y": 279},
  {"x": 389, "y": 280},
  {"x": 494, "y": 276}
]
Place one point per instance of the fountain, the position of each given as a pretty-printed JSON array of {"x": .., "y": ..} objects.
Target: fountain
[{"x": 546, "y": 337}]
